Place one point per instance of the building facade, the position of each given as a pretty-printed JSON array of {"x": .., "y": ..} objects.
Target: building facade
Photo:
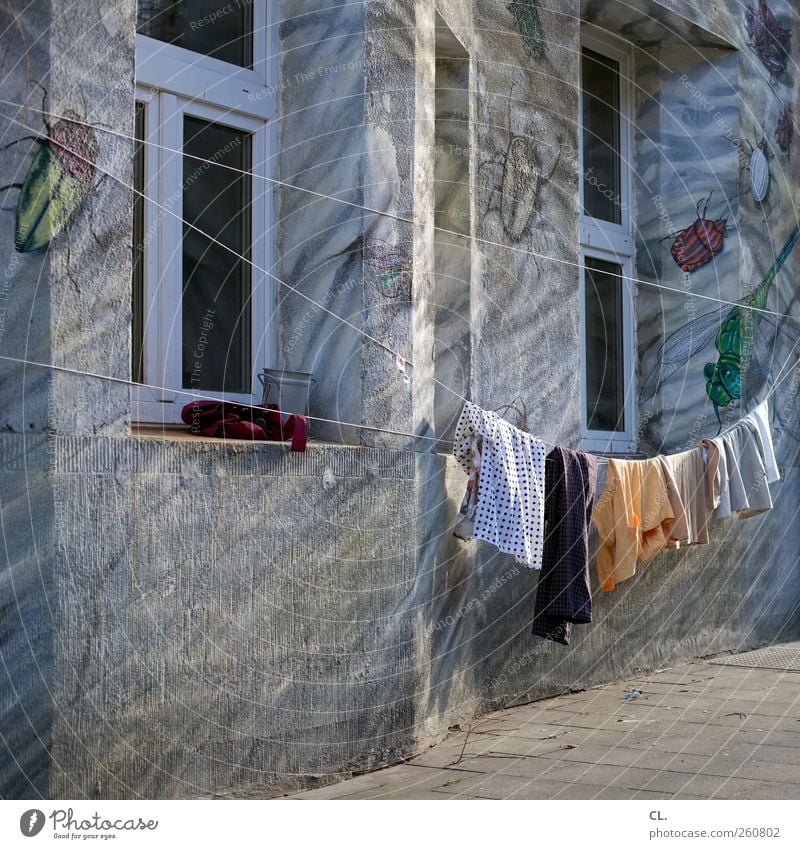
[{"x": 416, "y": 203}]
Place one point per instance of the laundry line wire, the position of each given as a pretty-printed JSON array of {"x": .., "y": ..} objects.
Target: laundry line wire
[
  {"x": 397, "y": 354},
  {"x": 400, "y": 358},
  {"x": 192, "y": 394},
  {"x": 372, "y": 210},
  {"x": 210, "y": 397}
]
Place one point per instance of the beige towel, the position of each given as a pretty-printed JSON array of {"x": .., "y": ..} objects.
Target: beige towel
[
  {"x": 634, "y": 517},
  {"x": 687, "y": 469}
]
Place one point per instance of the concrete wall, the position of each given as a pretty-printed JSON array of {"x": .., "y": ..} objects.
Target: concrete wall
[{"x": 199, "y": 618}]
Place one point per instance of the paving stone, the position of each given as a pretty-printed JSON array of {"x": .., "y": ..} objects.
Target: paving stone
[
  {"x": 753, "y": 769},
  {"x": 714, "y": 787},
  {"x": 444, "y": 755},
  {"x": 645, "y": 759},
  {"x": 594, "y": 791},
  {"x": 789, "y": 739},
  {"x": 521, "y": 767},
  {"x": 416, "y": 794},
  {"x": 734, "y": 735},
  {"x": 766, "y": 754},
  {"x": 504, "y": 786}
]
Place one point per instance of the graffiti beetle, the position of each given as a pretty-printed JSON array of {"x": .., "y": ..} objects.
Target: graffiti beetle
[
  {"x": 58, "y": 181},
  {"x": 700, "y": 242}
]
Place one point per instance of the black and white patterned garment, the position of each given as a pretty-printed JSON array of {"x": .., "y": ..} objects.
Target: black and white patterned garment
[{"x": 510, "y": 509}]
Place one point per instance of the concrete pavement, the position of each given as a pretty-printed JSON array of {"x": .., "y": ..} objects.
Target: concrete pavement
[{"x": 698, "y": 731}]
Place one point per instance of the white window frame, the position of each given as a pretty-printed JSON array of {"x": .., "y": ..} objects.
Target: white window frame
[
  {"x": 613, "y": 243},
  {"x": 173, "y": 82}
]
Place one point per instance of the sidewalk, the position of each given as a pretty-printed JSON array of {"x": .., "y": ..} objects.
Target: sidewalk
[{"x": 698, "y": 731}]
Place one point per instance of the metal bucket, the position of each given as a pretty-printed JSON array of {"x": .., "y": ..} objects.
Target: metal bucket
[{"x": 288, "y": 389}]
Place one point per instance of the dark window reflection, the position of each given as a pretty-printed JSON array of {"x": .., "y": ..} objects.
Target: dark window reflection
[
  {"x": 217, "y": 28},
  {"x": 600, "y": 87},
  {"x": 605, "y": 388},
  {"x": 216, "y": 285}
]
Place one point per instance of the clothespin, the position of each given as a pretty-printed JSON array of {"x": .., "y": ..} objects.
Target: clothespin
[{"x": 401, "y": 367}]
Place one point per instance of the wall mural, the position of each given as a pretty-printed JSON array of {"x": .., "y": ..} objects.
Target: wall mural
[
  {"x": 738, "y": 353},
  {"x": 518, "y": 175},
  {"x": 58, "y": 181},
  {"x": 759, "y": 170},
  {"x": 700, "y": 242},
  {"x": 526, "y": 14},
  {"x": 784, "y": 130},
  {"x": 768, "y": 38},
  {"x": 390, "y": 268},
  {"x": 733, "y": 331}
]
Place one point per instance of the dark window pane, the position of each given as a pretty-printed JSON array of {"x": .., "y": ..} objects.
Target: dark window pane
[
  {"x": 216, "y": 285},
  {"x": 215, "y": 28},
  {"x": 604, "y": 346},
  {"x": 137, "y": 303},
  {"x": 600, "y": 87}
]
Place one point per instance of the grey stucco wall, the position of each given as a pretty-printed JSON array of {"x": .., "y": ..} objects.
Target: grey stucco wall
[{"x": 190, "y": 619}]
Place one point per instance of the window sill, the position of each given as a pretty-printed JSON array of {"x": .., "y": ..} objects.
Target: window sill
[{"x": 181, "y": 433}]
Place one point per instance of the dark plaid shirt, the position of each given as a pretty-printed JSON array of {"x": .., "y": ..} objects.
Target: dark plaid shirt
[{"x": 563, "y": 596}]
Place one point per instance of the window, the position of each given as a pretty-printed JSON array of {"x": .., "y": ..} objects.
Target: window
[
  {"x": 607, "y": 317},
  {"x": 202, "y": 303}
]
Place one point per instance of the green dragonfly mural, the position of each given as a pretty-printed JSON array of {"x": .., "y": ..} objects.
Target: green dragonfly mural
[{"x": 733, "y": 331}]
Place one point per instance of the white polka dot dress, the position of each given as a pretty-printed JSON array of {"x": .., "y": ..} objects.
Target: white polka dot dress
[{"x": 510, "y": 508}]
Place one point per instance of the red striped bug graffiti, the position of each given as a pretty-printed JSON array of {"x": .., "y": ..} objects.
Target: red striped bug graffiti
[
  {"x": 784, "y": 130},
  {"x": 697, "y": 244}
]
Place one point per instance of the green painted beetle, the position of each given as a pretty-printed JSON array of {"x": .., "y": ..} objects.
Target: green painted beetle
[
  {"x": 733, "y": 331},
  {"x": 736, "y": 335},
  {"x": 58, "y": 181}
]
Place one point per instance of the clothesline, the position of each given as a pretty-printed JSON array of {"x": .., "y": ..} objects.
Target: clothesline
[
  {"x": 400, "y": 358},
  {"x": 322, "y": 196},
  {"x": 538, "y": 506},
  {"x": 781, "y": 376}
]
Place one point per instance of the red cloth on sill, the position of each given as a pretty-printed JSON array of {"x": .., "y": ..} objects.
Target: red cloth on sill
[{"x": 227, "y": 419}]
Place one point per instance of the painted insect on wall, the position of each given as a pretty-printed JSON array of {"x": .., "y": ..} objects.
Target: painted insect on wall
[
  {"x": 784, "y": 130},
  {"x": 57, "y": 183},
  {"x": 390, "y": 267},
  {"x": 700, "y": 242},
  {"x": 733, "y": 331},
  {"x": 518, "y": 174},
  {"x": 769, "y": 39},
  {"x": 526, "y": 14}
]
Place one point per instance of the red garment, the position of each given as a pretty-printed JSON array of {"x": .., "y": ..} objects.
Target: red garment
[{"x": 238, "y": 421}]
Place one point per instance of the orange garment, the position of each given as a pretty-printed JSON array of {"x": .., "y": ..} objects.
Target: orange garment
[{"x": 634, "y": 517}]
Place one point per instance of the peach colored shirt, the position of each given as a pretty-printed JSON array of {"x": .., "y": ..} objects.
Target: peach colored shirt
[{"x": 634, "y": 517}]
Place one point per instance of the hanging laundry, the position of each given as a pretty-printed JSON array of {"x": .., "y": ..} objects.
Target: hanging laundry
[
  {"x": 509, "y": 512},
  {"x": 759, "y": 417},
  {"x": 563, "y": 596},
  {"x": 687, "y": 469},
  {"x": 736, "y": 475},
  {"x": 465, "y": 524},
  {"x": 634, "y": 517}
]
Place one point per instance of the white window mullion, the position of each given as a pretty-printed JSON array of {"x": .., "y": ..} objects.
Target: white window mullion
[
  {"x": 264, "y": 332},
  {"x": 170, "y": 247},
  {"x": 202, "y": 78},
  {"x": 152, "y": 221}
]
